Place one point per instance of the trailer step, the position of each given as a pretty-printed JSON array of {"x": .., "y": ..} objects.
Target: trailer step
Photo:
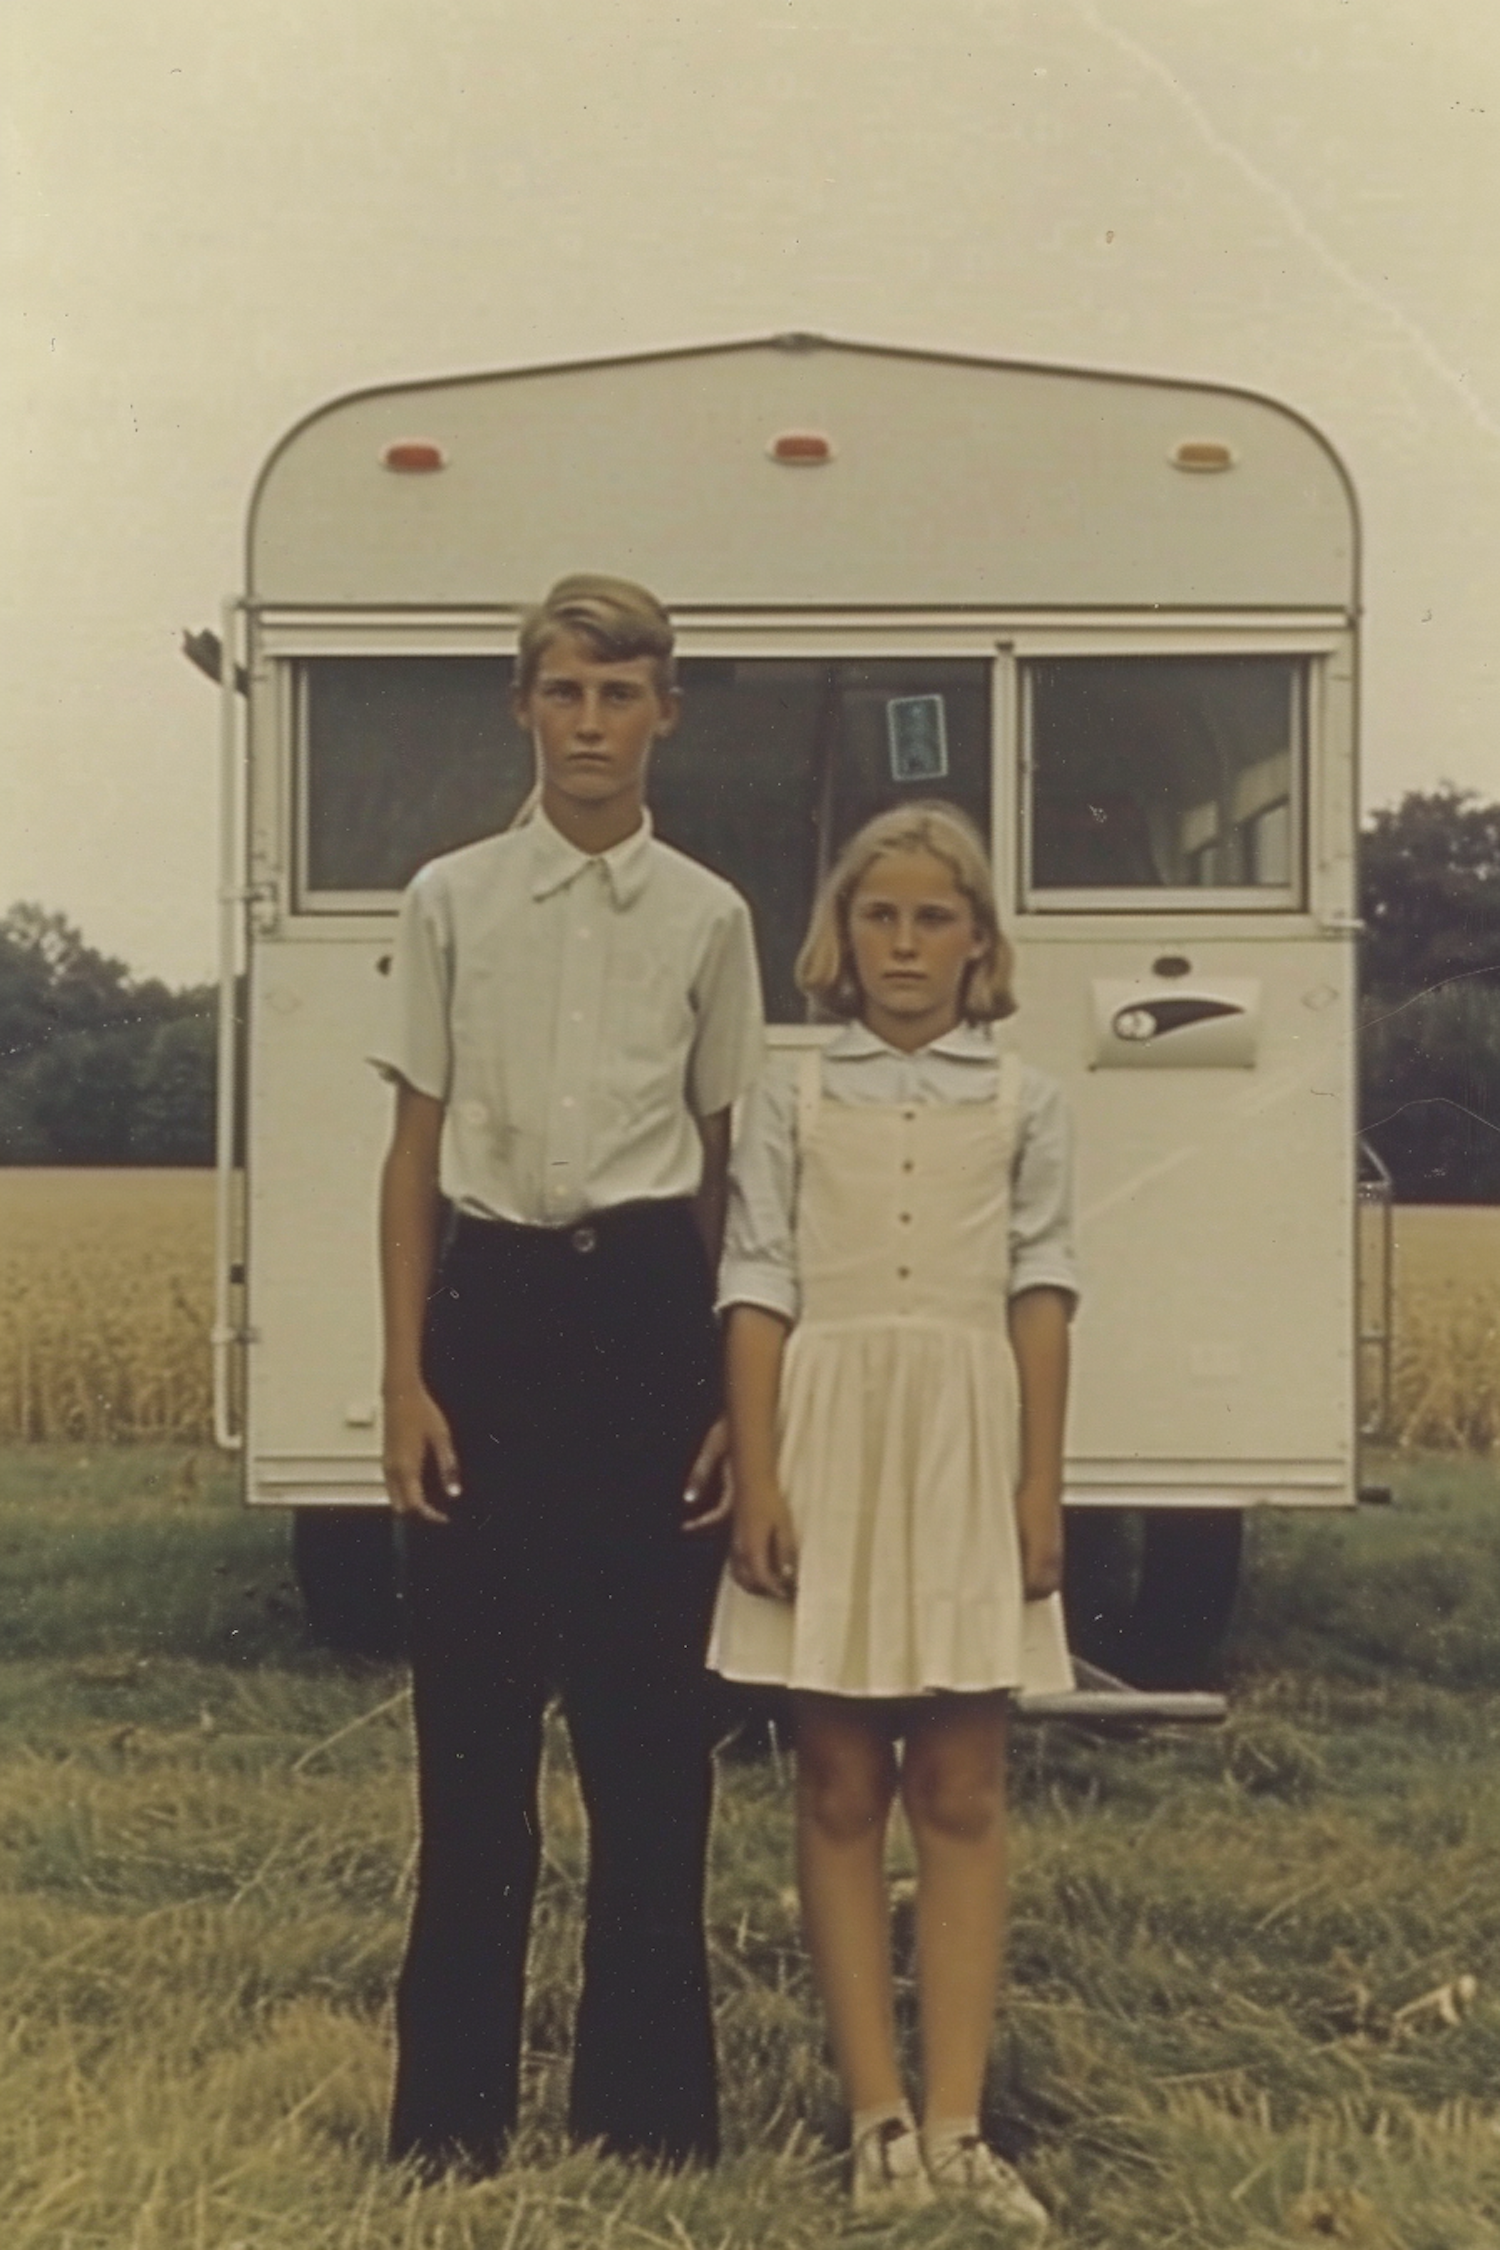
[{"x": 1098, "y": 1698}]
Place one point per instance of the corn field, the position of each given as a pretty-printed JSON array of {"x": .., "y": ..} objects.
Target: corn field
[
  {"x": 105, "y": 1308},
  {"x": 105, "y": 1304},
  {"x": 1445, "y": 1374}
]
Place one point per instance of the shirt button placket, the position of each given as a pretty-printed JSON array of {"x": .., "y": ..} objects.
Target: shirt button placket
[{"x": 584, "y": 958}]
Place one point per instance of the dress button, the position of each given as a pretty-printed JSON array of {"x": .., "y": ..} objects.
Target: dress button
[
  {"x": 903, "y": 1273},
  {"x": 904, "y": 1217},
  {"x": 584, "y": 1239},
  {"x": 907, "y": 1164}
]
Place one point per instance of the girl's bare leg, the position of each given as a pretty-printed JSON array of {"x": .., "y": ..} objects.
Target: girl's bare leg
[
  {"x": 953, "y": 1789},
  {"x": 846, "y": 1784}
]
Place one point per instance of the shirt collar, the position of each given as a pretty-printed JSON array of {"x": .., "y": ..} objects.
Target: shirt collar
[
  {"x": 555, "y": 862},
  {"x": 966, "y": 1042}
]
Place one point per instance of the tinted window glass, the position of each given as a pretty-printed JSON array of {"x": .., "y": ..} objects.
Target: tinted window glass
[
  {"x": 778, "y": 760},
  {"x": 775, "y": 763},
  {"x": 407, "y": 756},
  {"x": 1164, "y": 772}
]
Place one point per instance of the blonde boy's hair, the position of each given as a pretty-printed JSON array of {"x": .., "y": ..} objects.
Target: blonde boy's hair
[
  {"x": 618, "y": 619},
  {"x": 825, "y": 966}
]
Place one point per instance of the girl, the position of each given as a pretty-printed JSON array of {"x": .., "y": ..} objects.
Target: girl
[{"x": 898, "y": 1278}]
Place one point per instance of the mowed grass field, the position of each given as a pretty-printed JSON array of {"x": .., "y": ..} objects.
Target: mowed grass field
[
  {"x": 105, "y": 1308},
  {"x": 1255, "y": 1970}
]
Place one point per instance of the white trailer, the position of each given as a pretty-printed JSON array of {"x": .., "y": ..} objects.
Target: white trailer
[{"x": 1113, "y": 617}]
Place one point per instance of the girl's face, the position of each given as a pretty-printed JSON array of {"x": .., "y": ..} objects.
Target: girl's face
[{"x": 912, "y": 936}]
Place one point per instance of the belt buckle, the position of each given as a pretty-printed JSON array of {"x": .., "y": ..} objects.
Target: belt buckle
[{"x": 584, "y": 1240}]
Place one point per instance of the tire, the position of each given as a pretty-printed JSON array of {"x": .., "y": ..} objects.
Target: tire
[
  {"x": 345, "y": 1564},
  {"x": 1150, "y": 1592}
]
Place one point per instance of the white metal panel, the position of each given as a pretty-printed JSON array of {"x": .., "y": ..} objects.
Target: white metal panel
[
  {"x": 1214, "y": 1346},
  {"x": 318, "y": 1122},
  {"x": 953, "y": 482},
  {"x": 971, "y": 505}
]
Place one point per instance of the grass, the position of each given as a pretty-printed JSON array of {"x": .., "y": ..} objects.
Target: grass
[
  {"x": 1255, "y": 1989},
  {"x": 1239, "y": 2012}
]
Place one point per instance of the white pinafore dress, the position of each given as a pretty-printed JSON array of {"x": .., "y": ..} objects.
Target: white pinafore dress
[{"x": 899, "y": 1415}]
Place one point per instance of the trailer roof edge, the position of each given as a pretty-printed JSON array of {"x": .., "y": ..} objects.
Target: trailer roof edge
[{"x": 809, "y": 340}]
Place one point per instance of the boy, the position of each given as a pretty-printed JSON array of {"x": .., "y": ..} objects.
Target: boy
[{"x": 576, "y": 1007}]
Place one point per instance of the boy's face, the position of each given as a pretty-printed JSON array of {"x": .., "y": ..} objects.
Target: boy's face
[{"x": 593, "y": 720}]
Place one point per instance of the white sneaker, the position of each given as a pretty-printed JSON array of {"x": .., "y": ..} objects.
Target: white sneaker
[
  {"x": 970, "y": 2168},
  {"x": 888, "y": 2171}
]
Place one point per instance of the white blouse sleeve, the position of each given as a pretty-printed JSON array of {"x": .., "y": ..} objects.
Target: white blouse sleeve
[
  {"x": 760, "y": 1233},
  {"x": 1041, "y": 1216},
  {"x": 729, "y": 1044}
]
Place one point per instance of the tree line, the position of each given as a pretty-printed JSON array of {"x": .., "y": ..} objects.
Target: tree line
[
  {"x": 1430, "y": 1012},
  {"x": 100, "y": 1067}
]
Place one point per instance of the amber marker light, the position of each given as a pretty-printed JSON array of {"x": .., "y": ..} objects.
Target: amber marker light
[
  {"x": 1205, "y": 455},
  {"x": 413, "y": 457},
  {"x": 801, "y": 449}
]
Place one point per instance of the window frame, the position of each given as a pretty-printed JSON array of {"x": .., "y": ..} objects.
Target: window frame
[
  {"x": 795, "y": 639},
  {"x": 282, "y": 637},
  {"x": 1301, "y": 650}
]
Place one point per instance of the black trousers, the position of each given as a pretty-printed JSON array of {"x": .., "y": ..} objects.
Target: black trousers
[{"x": 579, "y": 1369}]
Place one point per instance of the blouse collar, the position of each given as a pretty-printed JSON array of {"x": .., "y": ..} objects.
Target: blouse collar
[{"x": 966, "y": 1042}]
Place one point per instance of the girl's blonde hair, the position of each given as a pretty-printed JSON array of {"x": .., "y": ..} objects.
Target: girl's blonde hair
[
  {"x": 825, "y": 966},
  {"x": 617, "y": 618}
]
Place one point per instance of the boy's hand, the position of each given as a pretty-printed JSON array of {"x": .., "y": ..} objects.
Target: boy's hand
[
  {"x": 763, "y": 1553},
  {"x": 1040, "y": 1526},
  {"x": 415, "y": 1427},
  {"x": 710, "y": 1469}
]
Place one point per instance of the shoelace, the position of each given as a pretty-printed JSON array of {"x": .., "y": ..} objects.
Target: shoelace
[
  {"x": 885, "y": 2135},
  {"x": 971, "y": 2152}
]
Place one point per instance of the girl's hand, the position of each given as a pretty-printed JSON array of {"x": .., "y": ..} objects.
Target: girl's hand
[
  {"x": 416, "y": 1429},
  {"x": 710, "y": 1470},
  {"x": 1040, "y": 1527},
  {"x": 763, "y": 1553}
]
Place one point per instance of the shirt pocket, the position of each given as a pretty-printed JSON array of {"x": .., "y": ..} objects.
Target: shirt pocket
[
  {"x": 475, "y": 1008},
  {"x": 649, "y": 1007},
  {"x": 488, "y": 1042}
]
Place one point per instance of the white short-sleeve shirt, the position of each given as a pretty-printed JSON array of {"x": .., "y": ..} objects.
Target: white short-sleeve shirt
[
  {"x": 760, "y": 1259},
  {"x": 575, "y": 1015}
]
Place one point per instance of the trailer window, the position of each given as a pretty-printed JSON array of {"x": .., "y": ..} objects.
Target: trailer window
[
  {"x": 1165, "y": 773},
  {"x": 402, "y": 757},
  {"x": 777, "y": 761}
]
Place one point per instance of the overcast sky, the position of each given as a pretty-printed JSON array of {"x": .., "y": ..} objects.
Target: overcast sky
[{"x": 213, "y": 219}]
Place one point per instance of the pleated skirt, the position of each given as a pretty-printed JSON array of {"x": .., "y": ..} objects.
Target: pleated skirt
[{"x": 897, "y": 1448}]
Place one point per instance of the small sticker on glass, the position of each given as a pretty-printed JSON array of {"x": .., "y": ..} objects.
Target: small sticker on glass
[{"x": 918, "y": 734}]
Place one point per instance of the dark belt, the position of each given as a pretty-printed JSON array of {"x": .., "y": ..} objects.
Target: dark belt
[{"x": 618, "y": 1225}]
